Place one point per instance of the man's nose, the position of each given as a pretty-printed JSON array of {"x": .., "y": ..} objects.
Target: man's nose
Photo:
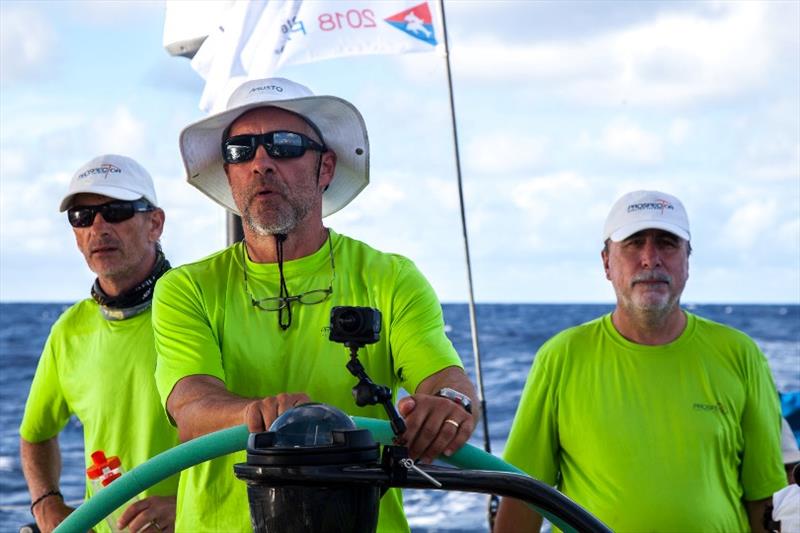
[
  {"x": 99, "y": 224},
  {"x": 262, "y": 162},
  {"x": 650, "y": 256}
]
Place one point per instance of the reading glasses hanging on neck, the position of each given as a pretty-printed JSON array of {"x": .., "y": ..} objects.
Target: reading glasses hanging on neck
[{"x": 276, "y": 303}]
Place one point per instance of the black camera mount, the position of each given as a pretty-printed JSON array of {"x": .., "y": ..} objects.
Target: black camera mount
[
  {"x": 356, "y": 327},
  {"x": 367, "y": 392}
]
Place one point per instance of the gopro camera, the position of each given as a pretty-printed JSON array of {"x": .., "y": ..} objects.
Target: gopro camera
[{"x": 355, "y": 325}]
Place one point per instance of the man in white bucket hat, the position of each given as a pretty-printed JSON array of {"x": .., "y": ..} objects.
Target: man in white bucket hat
[
  {"x": 240, "y": 334},
  {"x": 650, "y": 417}
]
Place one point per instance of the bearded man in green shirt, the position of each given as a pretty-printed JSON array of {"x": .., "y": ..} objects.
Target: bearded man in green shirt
[
  {"x": 652, "y": 418},
  {"x": 99, "y": 359},
  {"x": 240, "y": 335}
]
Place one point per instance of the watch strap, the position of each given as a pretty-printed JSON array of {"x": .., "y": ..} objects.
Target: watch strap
[{"x": 459, "y": 397}]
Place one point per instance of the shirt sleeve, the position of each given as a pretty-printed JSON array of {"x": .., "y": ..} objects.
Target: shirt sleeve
[
  {"x": 533, "y": 442},
  {"x": 185, "y": 343},
  {"x": 419, "y": 345},
  {"x": 46, "y": 410},
  {"x": 762, "y": 471}
]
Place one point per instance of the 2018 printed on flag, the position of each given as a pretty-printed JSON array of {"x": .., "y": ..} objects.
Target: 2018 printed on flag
[{"x": 257, "y": 38}]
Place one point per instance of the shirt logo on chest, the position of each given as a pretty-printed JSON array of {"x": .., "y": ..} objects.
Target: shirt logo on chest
[{"x": 710, "y": 407}]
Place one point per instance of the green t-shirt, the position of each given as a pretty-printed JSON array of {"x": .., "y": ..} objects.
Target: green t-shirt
[
  {"x": 205, "y": 323},
  {"x": 652, "y": 438},
  {"x": 102, "y": 372}
]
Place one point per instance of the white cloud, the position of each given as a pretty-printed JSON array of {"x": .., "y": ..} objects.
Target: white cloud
[
  {"x": 752, "y": 220},
  {"x": 27, "y": 44},
  {"x": 712, "y": 283},
  {"x": 444, "y": 192},
  {"x": 35, "y": 231},
  {"x": 624, "y": 140},
  {"x": 385, "y": 195},
  {"x": 695, "y": 56},
  {"x": 497, "y": 153},
  {"x": 536, "y": 192},
  {"x": 679, "y": 130},
  {"x": 774, "y": 159},
  {"x": 38, "y": 117},
  {"x": 476, "y": 58},
  {"x": 377, "y": 199},
  {"x": 119, "y": 132},
  {"x": 549, "y": 281},
  {"x": 109, "y": 12},
  {"x": 11, "y": 162},
  {"x": 544, "y": 202},
  {"x": 674, "y": 58},
  {"x": 789, "y": 232}
]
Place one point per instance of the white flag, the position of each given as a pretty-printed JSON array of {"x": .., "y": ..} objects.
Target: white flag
[{"x": 257, "y": 37}]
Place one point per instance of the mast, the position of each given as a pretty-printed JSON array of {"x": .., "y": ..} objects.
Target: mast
[
  {"x": 473, "y": 322},
  {"x": 494, "y": 501}
]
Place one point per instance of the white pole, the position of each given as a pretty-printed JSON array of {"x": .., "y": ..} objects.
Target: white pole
[{"x": 473, "y": 323}]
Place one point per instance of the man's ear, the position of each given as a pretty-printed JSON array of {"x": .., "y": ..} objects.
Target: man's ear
[
  {"x": 604, "y": 255},
  {"x": 327, "y": 168},
  {"x": 157, "y": 217}
]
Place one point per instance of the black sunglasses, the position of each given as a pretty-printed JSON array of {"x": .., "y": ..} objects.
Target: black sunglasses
[
  {"x": 115, "y": 211},
  {"x": 278, "y": 144}
]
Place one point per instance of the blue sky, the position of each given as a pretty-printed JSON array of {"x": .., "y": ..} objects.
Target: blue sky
[{"x": 561, "y": 107}]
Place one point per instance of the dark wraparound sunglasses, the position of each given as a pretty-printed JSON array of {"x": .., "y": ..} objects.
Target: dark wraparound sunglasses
[
  {"x": 115, "y": 211},
  {"x": 278, "y": 144}
]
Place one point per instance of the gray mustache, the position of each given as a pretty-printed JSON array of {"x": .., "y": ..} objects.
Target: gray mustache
[
  {"x": 104, "y": 243},
  {"x": 269, "y": 181},
  {"x": 652, "y": 276}
]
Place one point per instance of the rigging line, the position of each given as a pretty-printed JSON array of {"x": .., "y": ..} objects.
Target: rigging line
[{"x": 473, "y": 322}]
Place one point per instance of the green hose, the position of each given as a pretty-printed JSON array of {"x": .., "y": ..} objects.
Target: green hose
[
  {"x": 151, "y": 472},
  {"x": 467, "y": 457},
  {"x": 232, "y": 440}
]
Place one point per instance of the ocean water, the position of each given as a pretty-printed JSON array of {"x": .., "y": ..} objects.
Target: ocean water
[{"x": 509, "y": 336}]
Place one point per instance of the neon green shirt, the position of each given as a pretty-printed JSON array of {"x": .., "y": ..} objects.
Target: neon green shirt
[
  {"x": 652, "y": 438},
  {"x": 102, "y": 372},
  {"x": 205, "y": 323}
]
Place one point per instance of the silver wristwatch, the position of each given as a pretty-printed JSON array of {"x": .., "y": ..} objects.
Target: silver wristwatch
[{"x": 459, "y": 397}]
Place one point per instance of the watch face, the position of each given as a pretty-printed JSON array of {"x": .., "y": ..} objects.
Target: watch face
[{"x": 457, "y": 397}]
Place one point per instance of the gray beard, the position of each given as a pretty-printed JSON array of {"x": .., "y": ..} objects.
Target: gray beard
[
  {"x": 283, "y": 224},
  {"x": 653, "y": 315}
]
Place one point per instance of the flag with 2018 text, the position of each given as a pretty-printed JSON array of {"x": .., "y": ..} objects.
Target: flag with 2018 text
[{"x": 257, "y": 37}]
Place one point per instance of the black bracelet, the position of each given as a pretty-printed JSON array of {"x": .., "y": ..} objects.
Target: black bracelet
[{"x": 47, "y": 494}]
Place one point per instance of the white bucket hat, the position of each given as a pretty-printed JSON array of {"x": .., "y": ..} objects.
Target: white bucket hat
[
  {"x": 115, "y": 176},
  {"x": 342, "y": 127},
  {"x": 640, "y": 210}
]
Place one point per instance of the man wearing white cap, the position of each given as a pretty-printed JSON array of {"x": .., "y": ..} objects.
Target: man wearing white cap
[
  {"x": 652, "y": 418},
  {"x": 99, "y": 359},
  {"x": 241, "y": 334}
]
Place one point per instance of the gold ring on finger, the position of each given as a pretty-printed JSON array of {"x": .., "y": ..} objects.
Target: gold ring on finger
[{"x": 451, "y": 421}]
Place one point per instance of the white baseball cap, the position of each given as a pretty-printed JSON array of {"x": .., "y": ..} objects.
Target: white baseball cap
[
  {"x": 640, "y": 210},
  {"x": 339, "y": 122},
  {"x": 115, "y": 176},
  {"x": 789, "y": 449}
]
